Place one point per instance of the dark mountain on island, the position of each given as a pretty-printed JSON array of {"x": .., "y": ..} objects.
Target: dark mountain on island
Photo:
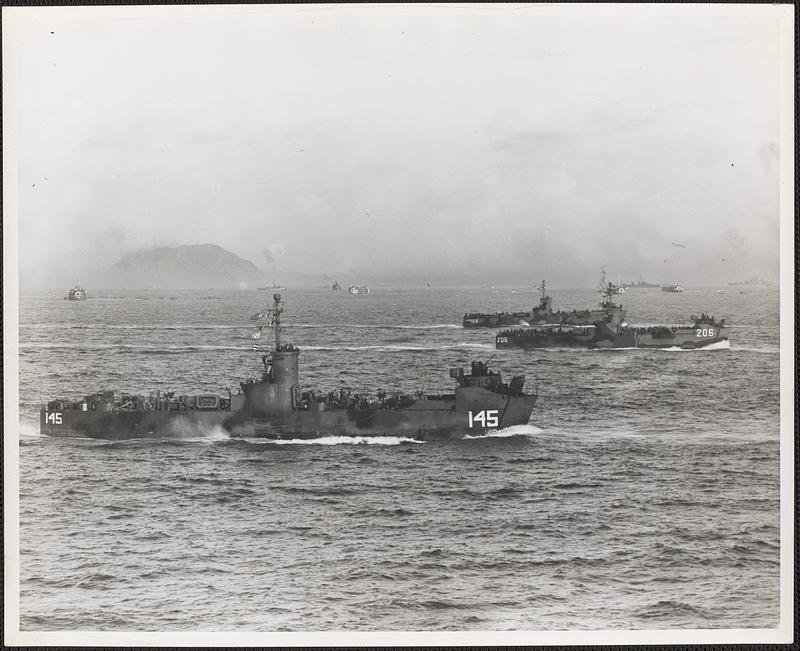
[{"x": 189, "y": 266}]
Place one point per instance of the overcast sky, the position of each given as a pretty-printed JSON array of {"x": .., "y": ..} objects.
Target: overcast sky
[{"x": 396, "y": 146}]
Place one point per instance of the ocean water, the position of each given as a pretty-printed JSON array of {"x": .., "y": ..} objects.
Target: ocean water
[{"x": 643, "y": 494}]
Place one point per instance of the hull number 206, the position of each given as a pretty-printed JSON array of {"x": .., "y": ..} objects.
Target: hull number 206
[
  {"x": 54, "y": 418},
  {"x": 486, "y": 418},
  {"x": 705, "y": 332}
]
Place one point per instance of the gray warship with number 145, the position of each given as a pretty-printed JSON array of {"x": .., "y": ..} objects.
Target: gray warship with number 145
[{"x": 276, "y": 405}]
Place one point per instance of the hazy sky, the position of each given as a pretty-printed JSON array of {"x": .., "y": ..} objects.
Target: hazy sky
[{"x": 388, "y": 146}]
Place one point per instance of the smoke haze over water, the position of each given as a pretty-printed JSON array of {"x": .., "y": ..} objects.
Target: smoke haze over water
[{"x": 399, "y": 148}]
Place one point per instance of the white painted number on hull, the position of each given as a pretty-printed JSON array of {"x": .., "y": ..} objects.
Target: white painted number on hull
[
  {"x": 704, "y": 332},
  {"x": 487, "y": 418},
  {"x": 54, "y": 418}
]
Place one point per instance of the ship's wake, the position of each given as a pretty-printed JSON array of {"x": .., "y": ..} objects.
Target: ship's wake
[
  {"x": 239, "y": 326},
  {"x": 378, "y": 326},
  {"x": 29, "y": 431},
  {"x": 391, "y": 348},
  {"x": 719, "y": 345},
  {"x": 506, "y": 432},
  {"x": 764, "y": 350},
  {"x": 198, "y": 432},
  {"x": 336, "y": 440},
  {"x": 200, "y": 348},
  {"x": 580, "y": 350}
]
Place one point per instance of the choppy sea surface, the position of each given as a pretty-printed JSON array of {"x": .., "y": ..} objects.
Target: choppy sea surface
[{"x": 644, "y": 493}]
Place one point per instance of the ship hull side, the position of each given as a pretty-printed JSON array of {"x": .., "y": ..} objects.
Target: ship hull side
[
  {"x": 131, "y": 424},
  {"x": 684, "y": 338},
  {"x": 500, "y": 320},
  {"x": 687, "y": 338},
  {"x": 509, "y": 320},
  {"x": 423, "y": 420},
  {"x": 546, "y": 339}
]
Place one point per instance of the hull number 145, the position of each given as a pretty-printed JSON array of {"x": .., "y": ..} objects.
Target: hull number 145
[
  {"x": 487, "y": 418},
  {"x": 54, "y": 418}
]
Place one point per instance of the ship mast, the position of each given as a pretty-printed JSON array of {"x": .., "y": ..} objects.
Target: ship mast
[
  {"x": 276, "y": 319},
  {"x": 605, "y": 289}
]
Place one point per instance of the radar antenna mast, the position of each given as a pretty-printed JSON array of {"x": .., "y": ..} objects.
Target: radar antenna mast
[
  {"x": 269, "y": 319},
  {"x": 606, "y": 289},
  {"x": 276, "y": 319},
  {"x": 603, "y": 282}
]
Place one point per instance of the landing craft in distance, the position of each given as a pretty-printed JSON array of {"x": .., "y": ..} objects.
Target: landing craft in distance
[
  {"x": 276, "y": 406},
  {"x": 543, "y": 313},
  {"x": 611, "y": 331},
  {"x": 77, "y": 293}
]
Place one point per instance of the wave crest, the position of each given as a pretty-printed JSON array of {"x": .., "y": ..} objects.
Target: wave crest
[
  {"x": 337, "y": 440},
  {"x": 514, "y": 430}
]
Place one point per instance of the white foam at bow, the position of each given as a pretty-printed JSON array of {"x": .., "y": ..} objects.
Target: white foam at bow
[
  {"x": 338, "y": 440},
  {"x": 397, "y": 347},
  {"x": 514, "y": 430},
  {"x": 29, "y": 431},
  {"x": 719, "y": 345},
  {"x": 201, "y": 432}
]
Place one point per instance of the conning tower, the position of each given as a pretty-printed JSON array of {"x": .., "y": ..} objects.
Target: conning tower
[
  {"x": 279, "y": 390},
  {"x": 284, "y": 356}
]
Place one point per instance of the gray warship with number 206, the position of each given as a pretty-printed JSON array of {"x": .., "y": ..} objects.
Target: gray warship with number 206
[
  {"x": 610, "y": 331},
  {"x": 277, "y": 406}
]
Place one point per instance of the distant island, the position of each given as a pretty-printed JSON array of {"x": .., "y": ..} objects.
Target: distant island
[{"x": 192, "y": 266}]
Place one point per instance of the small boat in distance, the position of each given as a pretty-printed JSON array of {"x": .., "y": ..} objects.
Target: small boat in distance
[
  {"x": 641, "y": 284},
  {"x": 359, "y": 289},
  {"x": 619, "y": 288},
  {"x": 274, "y": 287},
  {"x": 674, "y": 288},
  {"x": 76, "y": 294},
  {"x": 336, "y": 287}
]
